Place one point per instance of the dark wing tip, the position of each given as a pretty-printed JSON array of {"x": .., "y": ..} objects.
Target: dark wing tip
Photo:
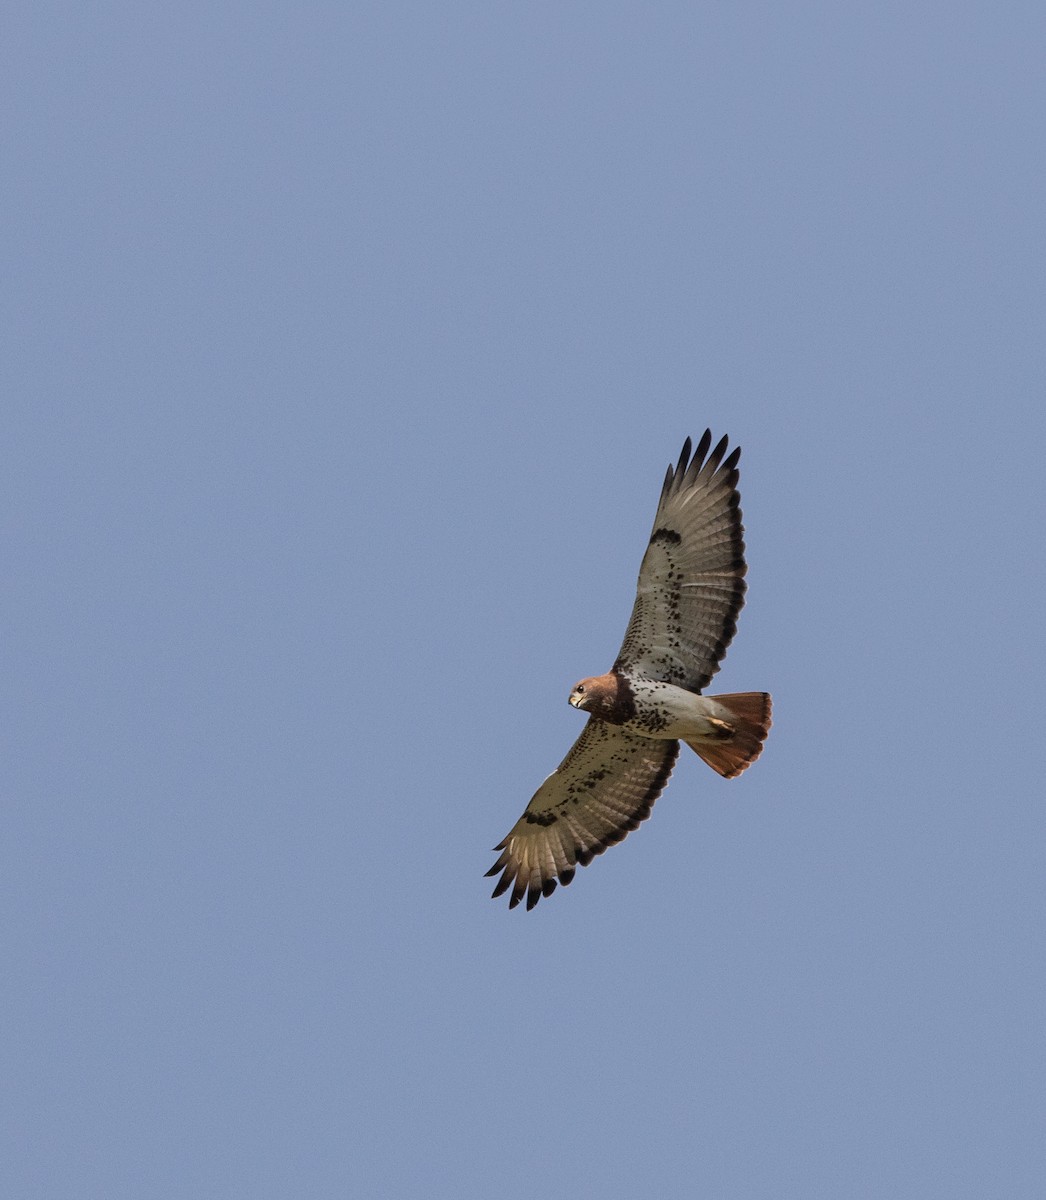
[
  {"x": 536, "y": 893},
  {"x": 708, "y": 469},
  {"x": 690, "y": 460},
  {"x": 502, "y": 885},
  {"x": 500, "y": 864},
  {"x": 716, "y": 456},
  {"x": 692, "y": 463},
  {"x": 676, "y": 472},
  {"x": 700, "y": 460}
]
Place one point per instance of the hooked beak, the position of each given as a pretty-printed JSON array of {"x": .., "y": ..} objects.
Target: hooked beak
[{"x": 577, "y": 699}]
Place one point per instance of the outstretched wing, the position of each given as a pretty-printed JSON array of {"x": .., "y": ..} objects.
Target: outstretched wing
[
  {"x": 601, "y": 790},
  {"x": 691, "y": 584}
]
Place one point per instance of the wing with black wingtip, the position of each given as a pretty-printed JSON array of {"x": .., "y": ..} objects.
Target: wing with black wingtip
[
  {"x": 598, "y": 793},
  {"x": 691, "y": 583}
]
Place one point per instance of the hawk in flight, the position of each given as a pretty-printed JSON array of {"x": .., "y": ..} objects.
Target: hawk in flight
[{"x": 691, "y": 588}]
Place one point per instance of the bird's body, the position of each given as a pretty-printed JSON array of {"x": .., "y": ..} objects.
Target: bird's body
[
  {"x": 690, "y": 589},
  {"x": 658, "y": 709}
]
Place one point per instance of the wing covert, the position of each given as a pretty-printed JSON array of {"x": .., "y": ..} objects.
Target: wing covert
[{"x": 598, "y": 793}]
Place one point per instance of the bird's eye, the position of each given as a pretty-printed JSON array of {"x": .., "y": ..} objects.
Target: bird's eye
[{"x": 580, "y": 687}]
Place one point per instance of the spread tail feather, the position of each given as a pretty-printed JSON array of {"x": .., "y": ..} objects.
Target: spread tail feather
[{"x": 746, "y": 725}]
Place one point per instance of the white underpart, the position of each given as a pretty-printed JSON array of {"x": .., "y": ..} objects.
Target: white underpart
[{"x": 686, "y": 715}]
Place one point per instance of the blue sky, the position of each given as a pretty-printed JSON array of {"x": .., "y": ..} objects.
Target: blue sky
[{"x": 345, "y": 350}]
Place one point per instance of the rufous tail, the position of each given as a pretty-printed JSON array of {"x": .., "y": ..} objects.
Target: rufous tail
[{"x": 742, "y": 736}]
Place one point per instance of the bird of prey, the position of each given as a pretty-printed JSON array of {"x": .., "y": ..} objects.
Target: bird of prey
[{"x": 691, "y": 588}]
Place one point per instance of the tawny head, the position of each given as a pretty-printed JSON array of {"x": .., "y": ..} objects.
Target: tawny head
[{"x": 605, "y": 696}]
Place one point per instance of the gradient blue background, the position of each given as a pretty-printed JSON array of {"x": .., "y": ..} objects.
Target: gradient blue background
[{"x": 345, "y": 349}]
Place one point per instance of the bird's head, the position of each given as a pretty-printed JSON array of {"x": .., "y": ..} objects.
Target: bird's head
[{"x": 604, "y": 696}]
